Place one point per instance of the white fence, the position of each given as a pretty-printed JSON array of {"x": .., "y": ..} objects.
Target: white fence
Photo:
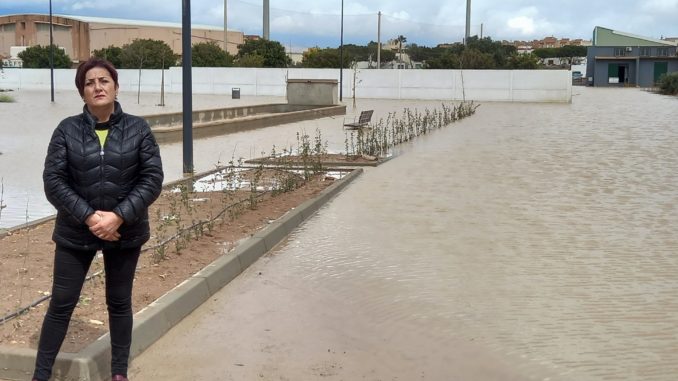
[{"x": 479, "y": 85}]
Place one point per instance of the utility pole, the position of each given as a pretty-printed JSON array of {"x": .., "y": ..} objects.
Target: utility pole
[
  {"x": 379, "y": 41},
  {"x": 468, "y": 22},
  {"x": 225, "y": 26},
  {"x": 481, "y": 31},
  {"x": 266, "y": 19}
]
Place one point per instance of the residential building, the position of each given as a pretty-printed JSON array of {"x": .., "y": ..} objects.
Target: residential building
[
  {"x": 623, "y": 59},
  {"x": 80, "y": 35},
  {"x": 546, "y": 42}
]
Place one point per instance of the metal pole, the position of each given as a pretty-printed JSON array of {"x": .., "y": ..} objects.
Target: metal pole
[
  {"x": 51, "y": 52},
  {"x": 225, "y": 26},
  {"x": 468, "y": 22},
  {"x": 266, "y": 19},
  {"x": 341, "y": 55},
  {"x": 379, "y": 42},
  {"x": 187, "y": 87}
]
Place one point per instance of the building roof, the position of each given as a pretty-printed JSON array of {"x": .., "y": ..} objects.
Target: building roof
[
  {"x": 609, "y": 37},
  {"x": 114, "y": 21}
]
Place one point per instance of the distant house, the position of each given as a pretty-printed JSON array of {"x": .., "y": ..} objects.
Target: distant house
[{"x": 623, "y": 59}]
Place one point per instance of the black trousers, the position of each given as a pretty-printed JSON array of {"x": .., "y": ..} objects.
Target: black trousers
[{"x": 70, "y": 270}]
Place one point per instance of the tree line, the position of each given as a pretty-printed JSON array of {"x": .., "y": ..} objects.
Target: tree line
[{"x": 478, "y": 53}]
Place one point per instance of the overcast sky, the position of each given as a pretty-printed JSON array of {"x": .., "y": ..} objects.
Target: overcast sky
[{"x": 303, "y": 23}]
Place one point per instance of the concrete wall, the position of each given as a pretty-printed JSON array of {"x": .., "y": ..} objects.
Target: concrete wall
[
  {"x": 312, "y": 91},
  {"x": 479, "y": 85}
]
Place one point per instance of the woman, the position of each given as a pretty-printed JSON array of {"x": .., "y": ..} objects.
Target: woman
[{"x": 102, "y": 172}]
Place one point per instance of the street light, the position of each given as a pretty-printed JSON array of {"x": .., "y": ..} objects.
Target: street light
[
  {"x": 51, "y": 52},
  {"x": 187, "y": 87},
  {"x": 341, "y": 55}
]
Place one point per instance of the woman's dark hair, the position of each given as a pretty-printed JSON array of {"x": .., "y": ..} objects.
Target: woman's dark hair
[{"x": 91, "y": 63}]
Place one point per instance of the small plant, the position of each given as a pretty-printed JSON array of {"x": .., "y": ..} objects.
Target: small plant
[
  {"x": 2, "y": 196},
  {"x": 386, "y": 134},
  {"x": 4, "y": 98},
  {"x": 668, "y": 84}
]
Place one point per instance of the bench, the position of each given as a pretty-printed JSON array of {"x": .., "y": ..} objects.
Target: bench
[{"x": 363, "y": 120}]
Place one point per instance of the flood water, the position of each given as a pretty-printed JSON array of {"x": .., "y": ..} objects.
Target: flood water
[{"x": 545, "y": 233}]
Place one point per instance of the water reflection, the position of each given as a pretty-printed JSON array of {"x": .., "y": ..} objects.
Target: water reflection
[
  {"x": 25, "y": 140},
  {"x": 544, "y": 232}
]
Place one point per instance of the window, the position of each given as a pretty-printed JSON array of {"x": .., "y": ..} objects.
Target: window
[
  {"x": 663, "y": 52},
  {"x": 619, "y": 52},
  {"x": 645, "y": 51}
]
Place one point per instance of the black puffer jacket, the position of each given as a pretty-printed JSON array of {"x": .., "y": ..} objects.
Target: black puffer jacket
[{"x": 124, "y": 176}]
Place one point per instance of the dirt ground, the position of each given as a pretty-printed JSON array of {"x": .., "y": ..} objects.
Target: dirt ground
[{"x": 234, "y": 215}]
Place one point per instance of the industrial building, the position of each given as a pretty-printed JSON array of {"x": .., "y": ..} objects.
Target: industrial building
[
  {"x": 80, "y": 35},
  {"x": 623, "y": 59}
]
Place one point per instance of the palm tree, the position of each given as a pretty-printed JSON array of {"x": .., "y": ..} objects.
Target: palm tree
[{"x": 401, "y": 39}]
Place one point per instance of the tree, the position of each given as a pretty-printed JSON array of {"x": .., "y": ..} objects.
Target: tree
[
  {"x": 209, "y": 54},
  {"x": 325, "y": 58},
  {"x": 572, "y": 52},
  {"x": 112, "y": 54},
  {"x": 386, "y": 55},
  {"x": 447, "y": 60},
  {"x": 37, "y": 57},
  {"x": 467, "y": 59},
  {"x": 545, "y": 53},
  {"x": 356, "y": 52},
  {"x": 563, "y": 51},
  {"x": 250, "y": 60},
  {"x": 668, "y": 83},
  {"x": 423, "y": 53},
  {"x": 523, "y": 61},
  {"x": 272, "y": 52},
  {"x": 147, "y": 54},
  {"x": 401, "y": 40},
  {"x": 495, "y": 49},
  {"x": 475, "y": 59}
]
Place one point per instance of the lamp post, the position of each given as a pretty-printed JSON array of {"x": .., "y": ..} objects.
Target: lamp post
[
  {"x": 51, "y": 52},
  {"x": 187, "y": 87},
  {"x": 341, "y": 55}
]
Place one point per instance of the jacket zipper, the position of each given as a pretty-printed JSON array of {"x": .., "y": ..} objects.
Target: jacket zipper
[{"x": 101, "y": 171}]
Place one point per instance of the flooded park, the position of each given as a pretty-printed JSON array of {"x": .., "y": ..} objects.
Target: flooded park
[{"x": 529, "y": 241}]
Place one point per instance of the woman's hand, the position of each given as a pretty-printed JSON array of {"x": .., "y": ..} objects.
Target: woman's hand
[{"x": 105, "y": 225}]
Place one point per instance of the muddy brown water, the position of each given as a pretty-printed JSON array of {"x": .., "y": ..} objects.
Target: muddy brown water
[{"x": 530, "y": 241}]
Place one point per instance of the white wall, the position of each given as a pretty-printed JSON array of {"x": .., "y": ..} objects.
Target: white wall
[{"x": 479, "y": 85}]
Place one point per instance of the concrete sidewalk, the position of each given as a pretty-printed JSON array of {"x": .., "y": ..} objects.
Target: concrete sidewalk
[{"x": 93, "y": 362}]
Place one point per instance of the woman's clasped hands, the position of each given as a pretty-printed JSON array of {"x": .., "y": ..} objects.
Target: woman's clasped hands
[{"x": 104, "y": 225}]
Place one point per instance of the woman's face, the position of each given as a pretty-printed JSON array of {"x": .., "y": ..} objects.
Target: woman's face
[{"x": 100, "y": 90}]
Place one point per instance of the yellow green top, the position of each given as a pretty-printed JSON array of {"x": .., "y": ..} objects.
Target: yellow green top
[
  {"x": 102, "y": 131},
  {"x": 102, "y": 134}
]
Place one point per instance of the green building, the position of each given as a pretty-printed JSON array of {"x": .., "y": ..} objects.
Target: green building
[{"x": 623, "y": 59}]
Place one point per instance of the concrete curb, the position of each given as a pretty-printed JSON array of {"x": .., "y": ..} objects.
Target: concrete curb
[
  {"x": 327, "y": 164},
  {"x": 151, "y": 323},
  {"x": 221, "y": 127},
  {"x": 34, "y": 223}
]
